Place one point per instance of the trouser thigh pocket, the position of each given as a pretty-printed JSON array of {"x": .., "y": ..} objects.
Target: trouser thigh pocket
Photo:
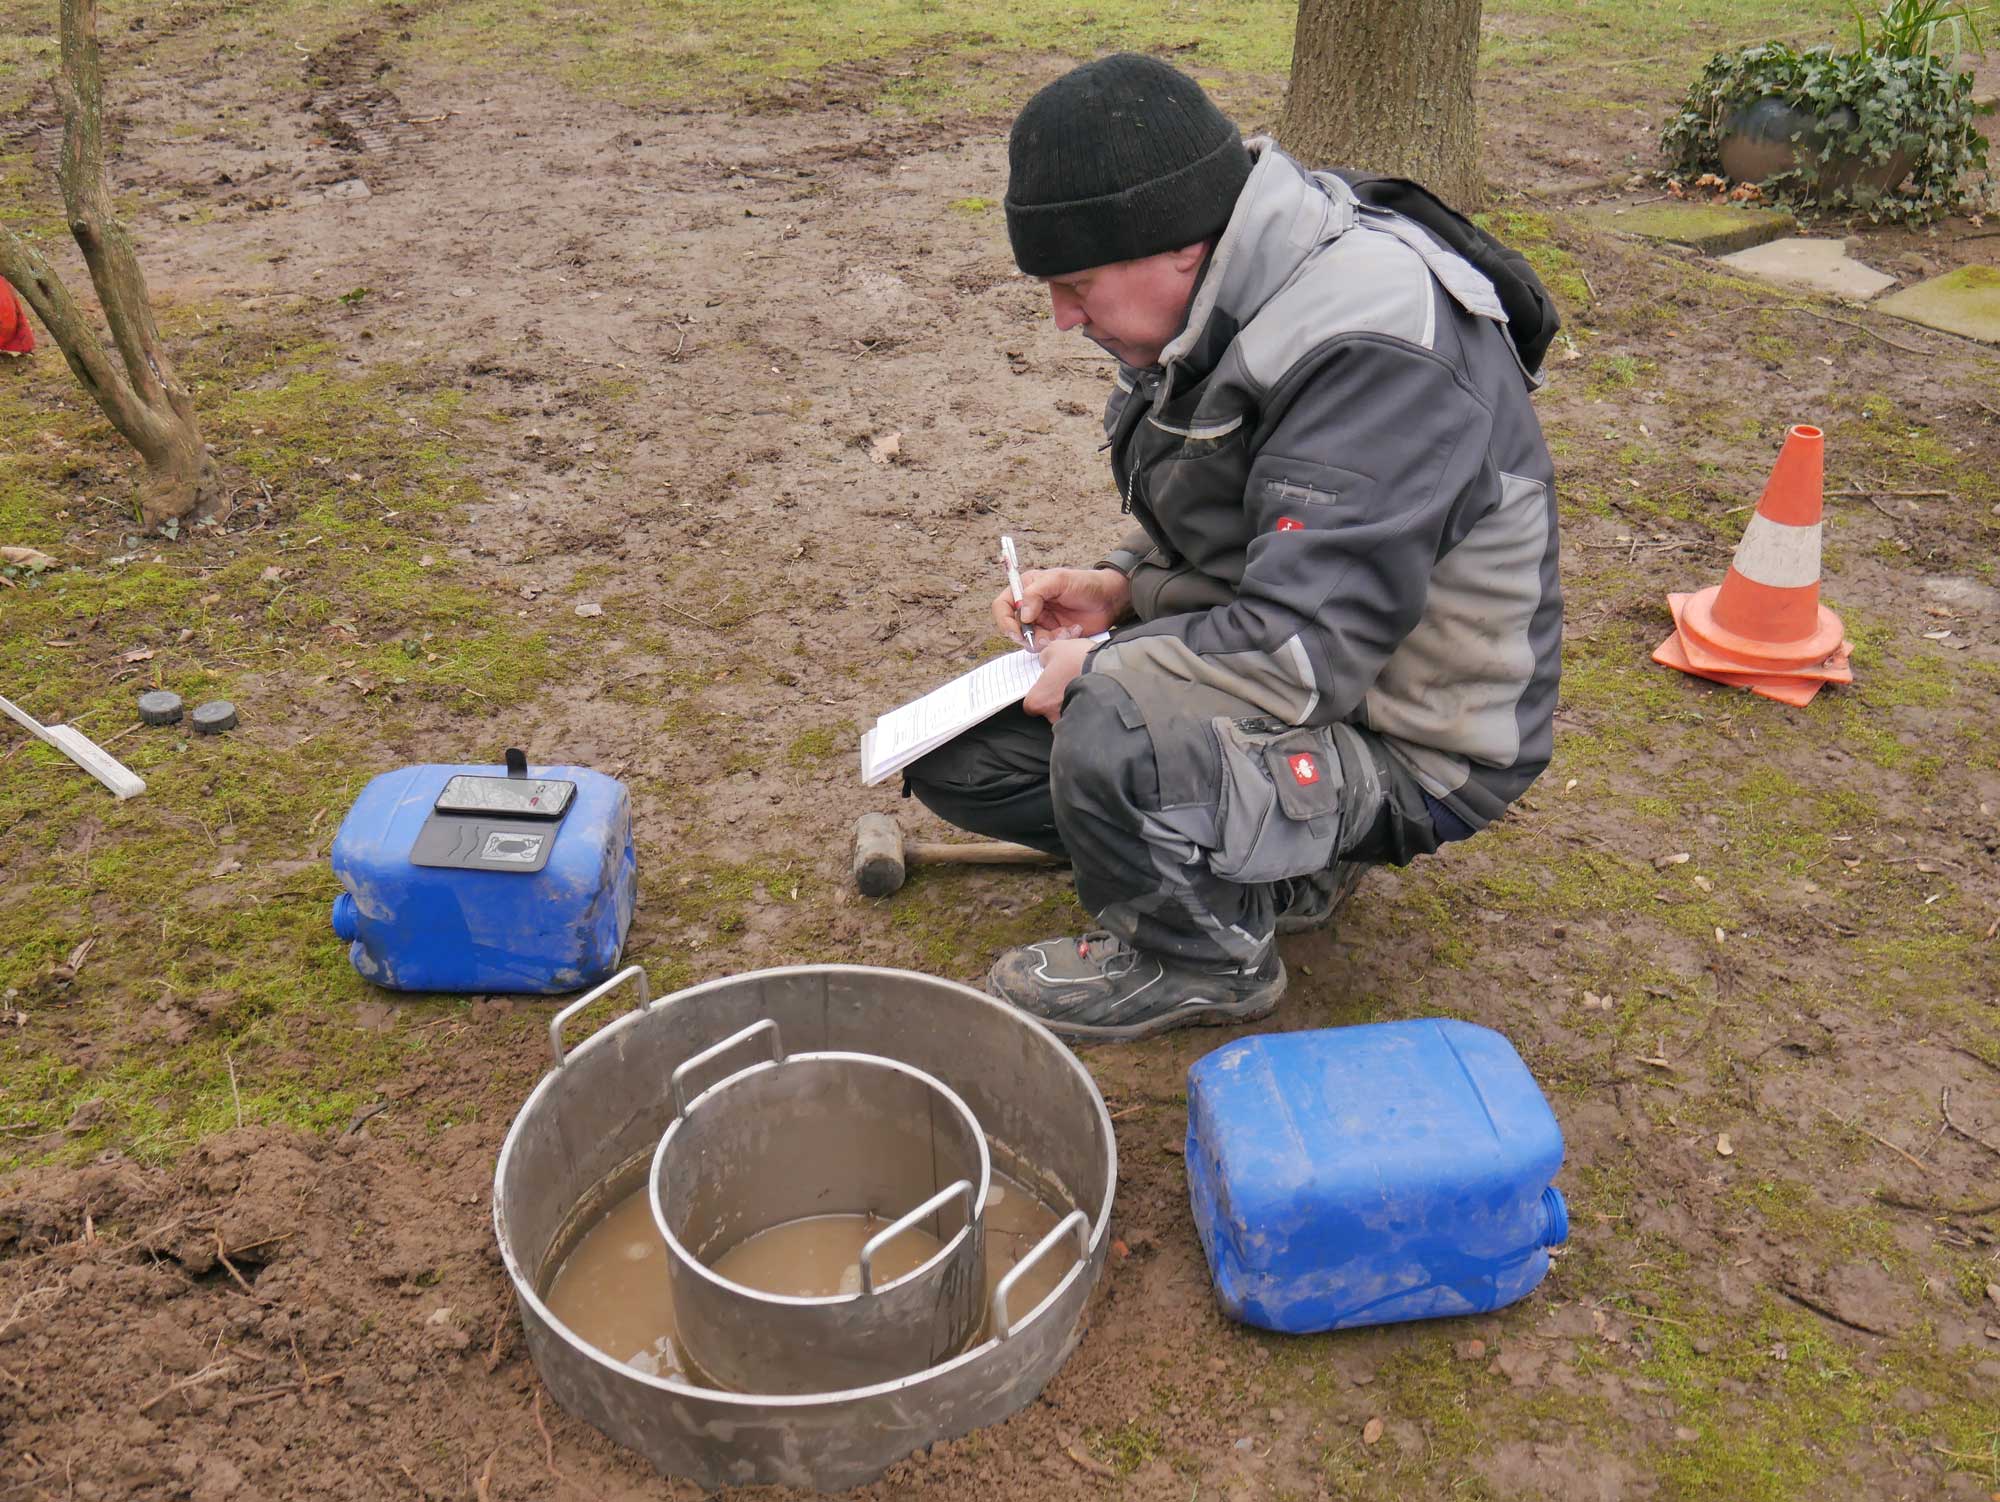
[{"x": 1278, "y": 808}]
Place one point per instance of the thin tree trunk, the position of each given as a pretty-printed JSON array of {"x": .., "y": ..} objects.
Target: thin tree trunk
[
  {"x": 1386, "y": 86},
  {"x": 144, "y": 400}
]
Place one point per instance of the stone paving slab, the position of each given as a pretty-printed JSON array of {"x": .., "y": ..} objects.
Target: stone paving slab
[
  {"x": 1823, "y": 265},
  {"x": 1965, "y": 301},
  {"x": 1712, "y": 229}
]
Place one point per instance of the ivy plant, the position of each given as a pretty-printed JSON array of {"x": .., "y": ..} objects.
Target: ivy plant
[{"x": 1866, "y": 105}]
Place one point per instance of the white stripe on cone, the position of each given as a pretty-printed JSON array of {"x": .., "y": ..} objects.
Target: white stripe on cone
[{"x": 1777, "y": 554}]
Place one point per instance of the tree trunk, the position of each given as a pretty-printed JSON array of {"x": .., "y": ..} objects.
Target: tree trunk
[
  {"x": 144, "y": 400},
  {"x": 1386, "y": 86}
]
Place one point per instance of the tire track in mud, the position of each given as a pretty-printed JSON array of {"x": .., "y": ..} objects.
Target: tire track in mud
[{"x": 363, "y": 119}]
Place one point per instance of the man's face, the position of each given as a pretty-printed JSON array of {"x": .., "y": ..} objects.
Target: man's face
[{"x": 1131, "y": 309}]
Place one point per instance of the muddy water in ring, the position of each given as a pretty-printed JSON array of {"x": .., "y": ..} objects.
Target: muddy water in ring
[{"x": 611, "y": 1289}]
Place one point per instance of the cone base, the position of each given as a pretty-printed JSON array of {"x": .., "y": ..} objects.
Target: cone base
[
  {"x": 1797, "y": 692},
  {"x": 1833, "y": 669},
  {"x": 1711, "y": 646}
]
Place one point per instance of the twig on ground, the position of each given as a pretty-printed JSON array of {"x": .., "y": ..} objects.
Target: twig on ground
[
  {"x": 549, "y": 1447},
  {"x": 1908, "y": 349},
  {"x": 363, "y": 1117},
  {"x": 1932, "y": 1207},
  {"x": 697, "y": 620},
  {"x": 206, "y": 1374},
  {"x": 222, "y": 1256},
  {"x": 1131, "y": 1111},
  {"x": 1944, "y": 1105},
  {"x": 493, "y": 1351},
  {"x": 286, "y": 1390},
  {"x": 1806, "y": 1301},
  {"x": 482, "y": 1488},
  {"x": 57, "y": 1288},
  {"x": 1084, "y": 1462},
  {"x": 251, "y": 1246},
  {"x": 1900, "y": 1152},
  {"x": 235, "y": 1097},
  {"x": 1897, "y": 494}
]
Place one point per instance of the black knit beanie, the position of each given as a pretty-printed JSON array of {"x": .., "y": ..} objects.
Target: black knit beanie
[{"x": 1121, "y": 158}]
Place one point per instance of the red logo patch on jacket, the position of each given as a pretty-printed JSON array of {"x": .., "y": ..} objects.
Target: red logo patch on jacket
[
  {"x": 1289, "y": 524},
  {"x": 1305, "y": 771}
]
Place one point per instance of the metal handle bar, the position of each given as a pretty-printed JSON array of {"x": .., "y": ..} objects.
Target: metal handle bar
[
  {"x": 674, "y": 1081},
  {"x": 556, "y": 1022},
  {"x": 930, "y": 1206},
  {"x": 1076, "y": 1221}
]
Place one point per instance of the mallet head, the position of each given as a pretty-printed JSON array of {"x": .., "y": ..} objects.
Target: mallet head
[{"x": 878, "y": 855}]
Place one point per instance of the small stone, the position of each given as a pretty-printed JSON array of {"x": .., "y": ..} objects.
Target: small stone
[
  {"x": 1470, "y": 1350},
  {"x": 1371, "y": 1431},
  {"x": 403, "y": 1371},
  {"x": 159, "y": 707},
  {"x": 1217, "y": 1364},
  {"x": 1686, "y": 1435},
  {"x": 352, "y": 187},
  {"x": 1246, "y": 1444},
  {"x": 589, "y": 608}
]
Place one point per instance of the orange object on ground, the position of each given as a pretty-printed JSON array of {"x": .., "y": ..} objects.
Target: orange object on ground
[
  {"x": 1766, "y": 612},
  {"x": 1763, "y": 628},
  {"x": 1797, "y": 691},
  {"x": 16, "y": 337}
]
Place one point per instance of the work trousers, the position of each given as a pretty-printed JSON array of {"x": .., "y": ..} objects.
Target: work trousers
[{"x": 1181, "y": 808}]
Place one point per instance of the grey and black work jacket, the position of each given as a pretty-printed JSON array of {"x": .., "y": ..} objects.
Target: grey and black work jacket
[{"x": 1348, "y": 509}]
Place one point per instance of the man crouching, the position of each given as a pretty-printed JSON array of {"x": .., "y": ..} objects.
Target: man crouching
[{"x": 1337, "y": 626}]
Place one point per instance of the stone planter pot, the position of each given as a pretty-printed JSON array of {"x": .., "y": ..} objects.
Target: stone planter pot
[{"x": 1771, "y": 136}]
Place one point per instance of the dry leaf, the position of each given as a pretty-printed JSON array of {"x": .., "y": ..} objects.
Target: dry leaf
[
  {"x": 1678, "y": 858},
  {"x": 142, "y": 654},
  {"x": 211, "y": 599},
  {"x": 272, "y": 574},
  {"x": 1595, "y": 1003},
  {"x": 1570, "y": 784},
  {"x": 79, "y": 954},
  {"x": 33, "y": 558},
  {"x": 1657, "y": 1062},
  {"x": 1993, "y": 1292},
  {"x": 1704, "y": 883},
  {"x": 1724, "y": 1148},
  {"x": 1720, "y": 936},
  {"x": 884, "y": 448},
  {"x": 1371, "y": 1431}
]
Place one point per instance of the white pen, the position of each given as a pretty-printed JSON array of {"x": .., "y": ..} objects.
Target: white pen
[{"x": 1014, "y": 583}]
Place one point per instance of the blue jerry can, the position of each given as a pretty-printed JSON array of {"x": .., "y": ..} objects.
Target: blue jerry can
[
  {"x": 481, "y": 878},
  {"x": 1364, "y": 1175}
]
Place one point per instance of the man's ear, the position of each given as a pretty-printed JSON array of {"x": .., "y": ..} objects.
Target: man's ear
[{"x": 1188, "y": 257}]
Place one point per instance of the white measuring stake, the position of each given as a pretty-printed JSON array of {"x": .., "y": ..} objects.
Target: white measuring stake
[{"x": 82, "y": 750}]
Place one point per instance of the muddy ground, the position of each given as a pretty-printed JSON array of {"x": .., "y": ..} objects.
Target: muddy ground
[{"x": 1749, "y": 951}]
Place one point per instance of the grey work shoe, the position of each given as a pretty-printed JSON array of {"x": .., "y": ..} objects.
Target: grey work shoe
[
  {"x": 1312, "y": 900},
  {"x": 1098, "y": 988}
]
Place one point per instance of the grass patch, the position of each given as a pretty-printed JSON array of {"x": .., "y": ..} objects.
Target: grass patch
[{"x": 335, "y": 627}]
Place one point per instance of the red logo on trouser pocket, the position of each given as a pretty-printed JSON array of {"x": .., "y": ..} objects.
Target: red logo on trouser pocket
[
  {"x": 1304, "y": 770},
  {"x": 1290, "y": 524}
]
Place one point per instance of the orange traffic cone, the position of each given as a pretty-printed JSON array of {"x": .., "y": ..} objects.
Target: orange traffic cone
[
  {"x": 16, "y": 337},
  {"x": 1763, "y": 628}
]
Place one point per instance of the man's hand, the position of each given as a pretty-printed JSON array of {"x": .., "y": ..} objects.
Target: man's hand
[
  {"x": 1061, "y": 661},
  {"x": 1061, "y": 603}
]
